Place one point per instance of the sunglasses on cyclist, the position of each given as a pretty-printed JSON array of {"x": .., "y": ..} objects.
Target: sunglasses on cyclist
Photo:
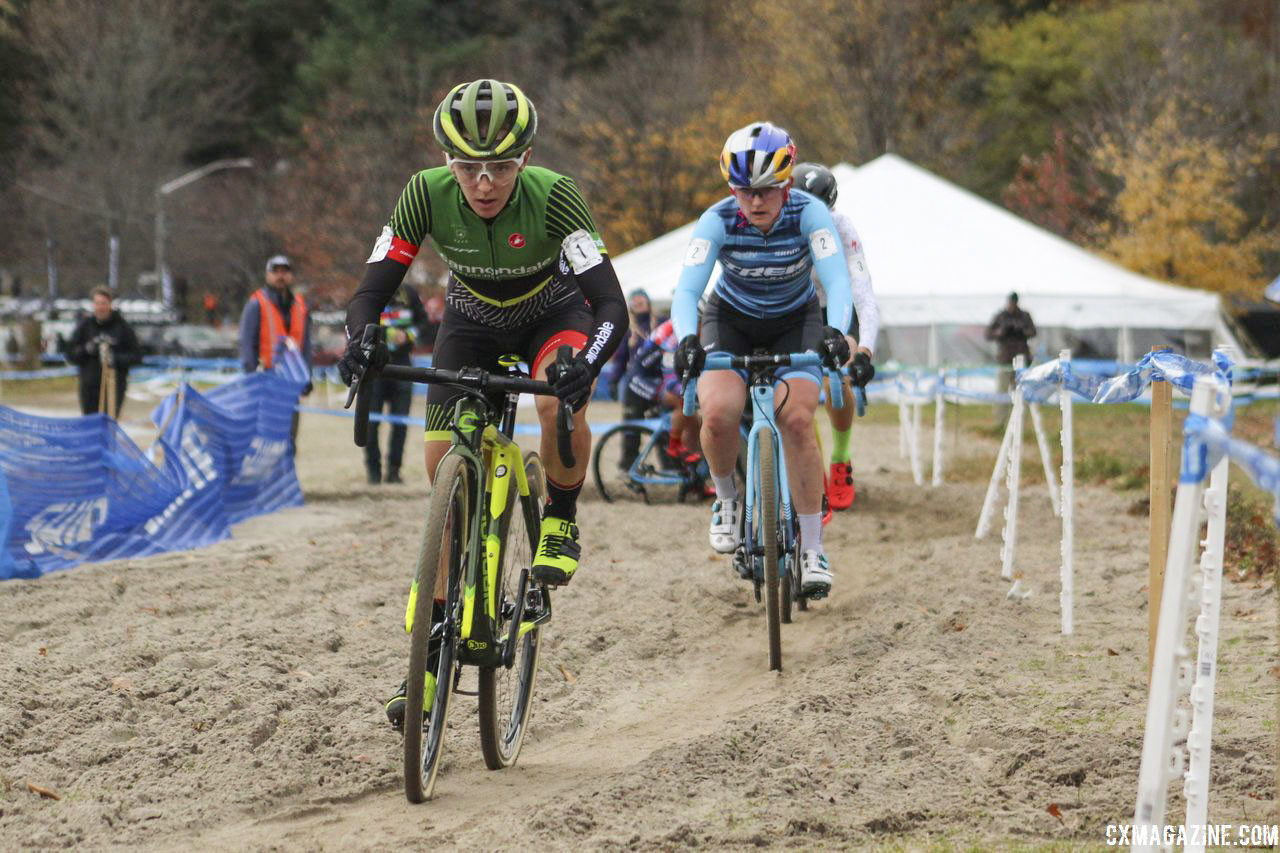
[
  {"x": 760, "y": 192},
  {"x": 470, "y": 172}
]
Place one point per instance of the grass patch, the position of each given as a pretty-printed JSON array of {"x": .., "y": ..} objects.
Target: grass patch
[{"x": 1253, "y": 543}]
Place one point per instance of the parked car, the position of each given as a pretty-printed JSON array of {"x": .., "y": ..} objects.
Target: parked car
[{"x": 194, "y": 341}]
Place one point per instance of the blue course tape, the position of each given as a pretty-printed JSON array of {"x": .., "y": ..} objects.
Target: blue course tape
[{"x": 521, "y": 429}]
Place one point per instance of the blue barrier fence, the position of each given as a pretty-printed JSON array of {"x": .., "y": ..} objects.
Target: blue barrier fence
[{"x": 79, "y": 490}]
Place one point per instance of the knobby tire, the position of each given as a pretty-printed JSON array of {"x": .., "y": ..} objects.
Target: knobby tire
[
  {"x": 506, "y": 695},
  {"x": 444, "y": 534}
]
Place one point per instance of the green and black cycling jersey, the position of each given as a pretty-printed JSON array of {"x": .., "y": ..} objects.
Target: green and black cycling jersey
[{"x": 541, "y": 254}]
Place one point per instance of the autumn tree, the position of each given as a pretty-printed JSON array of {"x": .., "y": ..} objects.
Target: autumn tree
[
  {"x": 1177, "y": 216},
  {"x": 120, "y": 94}
]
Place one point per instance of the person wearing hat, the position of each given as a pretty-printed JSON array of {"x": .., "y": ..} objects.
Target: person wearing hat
[
  {"x": 274, "y": 312},
  {"x": 1010, "y": 328}
]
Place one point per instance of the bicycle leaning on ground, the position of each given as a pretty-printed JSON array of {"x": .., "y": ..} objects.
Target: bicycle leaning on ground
[
  {"x": 481, "y": 531},
  {"x": 767, "y": 554}
]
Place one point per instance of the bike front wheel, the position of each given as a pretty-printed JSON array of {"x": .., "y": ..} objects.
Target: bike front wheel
[
  {"x": 630, "y": 463},
  {"x": 768, "y": 531},
  {"x": 506, "y": 693},
  {"x": 444, "y": 544}
]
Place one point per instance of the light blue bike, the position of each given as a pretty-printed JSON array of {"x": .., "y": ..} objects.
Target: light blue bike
[{"x": 767, "y": 552}]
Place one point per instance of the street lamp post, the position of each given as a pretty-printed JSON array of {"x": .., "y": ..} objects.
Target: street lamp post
[{"x": 162, "y": 268}]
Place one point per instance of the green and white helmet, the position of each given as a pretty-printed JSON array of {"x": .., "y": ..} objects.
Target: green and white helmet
[{"x": 485, "y": 120}]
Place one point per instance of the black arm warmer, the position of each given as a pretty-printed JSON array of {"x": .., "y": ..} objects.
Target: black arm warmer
[
  {"x": 601, "y": 288},
  {"x": 380, "y": 282}
]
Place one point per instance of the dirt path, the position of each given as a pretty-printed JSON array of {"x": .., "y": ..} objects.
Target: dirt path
[{"x": 230, "y": 697}]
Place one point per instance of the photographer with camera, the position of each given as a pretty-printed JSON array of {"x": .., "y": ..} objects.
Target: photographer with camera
[{"x": 86, "y": 350}]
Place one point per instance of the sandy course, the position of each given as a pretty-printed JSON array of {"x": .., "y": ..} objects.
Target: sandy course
[{"x": 230, "y": 698}]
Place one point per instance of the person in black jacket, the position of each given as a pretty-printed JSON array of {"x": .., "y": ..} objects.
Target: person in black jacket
[
  {"x": 85, "y": 351},
  {"x": 405, "y": 318}
]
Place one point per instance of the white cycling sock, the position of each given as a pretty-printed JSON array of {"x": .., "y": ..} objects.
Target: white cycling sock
[
  {"x": 726, "y": 487},
  {"x": 811, "y": 532}
]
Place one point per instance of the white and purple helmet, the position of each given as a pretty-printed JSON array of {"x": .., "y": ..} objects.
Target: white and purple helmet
[{"x": 757, "y": 156}]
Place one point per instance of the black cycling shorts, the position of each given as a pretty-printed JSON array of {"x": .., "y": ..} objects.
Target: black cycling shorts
[
  {"x": 726, "y": 329},
  {"x": 462, "y": 342}
]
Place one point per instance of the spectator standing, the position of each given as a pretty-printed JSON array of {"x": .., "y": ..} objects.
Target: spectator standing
[
  {"x": 85, "y": 350},
  {"x": 1011, "y": 328},
  {"x": 274, "y": 312},
  {"x": 404, "y": 318}
]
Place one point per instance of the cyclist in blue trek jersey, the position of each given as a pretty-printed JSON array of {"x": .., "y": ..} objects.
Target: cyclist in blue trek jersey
[{"x": 769, "y": 239}]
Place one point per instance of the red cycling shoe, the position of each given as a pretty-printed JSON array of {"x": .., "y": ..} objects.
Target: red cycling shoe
[{"x": 840, "y": 488}]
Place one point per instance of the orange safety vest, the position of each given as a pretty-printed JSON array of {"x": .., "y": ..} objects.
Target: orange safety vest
[{"x": 271, "y": 325}]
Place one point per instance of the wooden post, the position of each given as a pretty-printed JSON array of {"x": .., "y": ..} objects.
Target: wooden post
[{"x": 1161, "y": 509}]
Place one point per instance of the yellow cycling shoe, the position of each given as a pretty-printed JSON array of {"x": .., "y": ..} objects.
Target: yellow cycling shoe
[
  {"x": 396, "y": 704},
  {"x": 558, "y": 552}
]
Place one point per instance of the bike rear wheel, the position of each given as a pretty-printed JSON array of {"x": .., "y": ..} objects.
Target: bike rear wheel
[
  {"x": 444, "y": 543},
  {"x": 653, "y": 475},
  {"x": 768, "y": 531},
  {"x": 506, "y": 694}
]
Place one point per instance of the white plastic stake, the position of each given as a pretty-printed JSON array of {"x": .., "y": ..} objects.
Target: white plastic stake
[
  {"x": 917, "y": 464},
  {"x": 1066, "y": 598},
  {"x": 989, "y": 502},
  {"x": 1043, "y": 443},
  {"x": 1200, "y": 738},
  {"x": 1162, "y": 761},
  {"x": 939, "y": 423},
  {"x": 1014, "y": 475},
  {"x": 902, "y": 423}
]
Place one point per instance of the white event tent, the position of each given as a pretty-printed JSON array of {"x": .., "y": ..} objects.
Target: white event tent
[{"x": 943, "y": 260}]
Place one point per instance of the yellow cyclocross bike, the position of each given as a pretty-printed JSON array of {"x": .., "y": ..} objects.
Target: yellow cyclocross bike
[{"x": 477, "y": 547}]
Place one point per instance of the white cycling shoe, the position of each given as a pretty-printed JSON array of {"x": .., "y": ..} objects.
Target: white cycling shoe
[
  {"x": 815, "y": 573},
  {"x": 725, "y": 524}
]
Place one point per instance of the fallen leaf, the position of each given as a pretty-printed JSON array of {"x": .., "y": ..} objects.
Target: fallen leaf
[
  {"x": 568, "y": 676},
  {"x": 1056, "y": 812},
  {"x": 47, "y": 793},
  {"x": 1113, "y": 653}
]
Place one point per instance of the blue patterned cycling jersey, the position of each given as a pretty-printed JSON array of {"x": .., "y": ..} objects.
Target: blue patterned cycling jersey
[{"x": 765, "y": 275}]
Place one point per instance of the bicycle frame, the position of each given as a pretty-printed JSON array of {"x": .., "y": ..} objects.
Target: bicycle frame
[
  {"x": 476, "y": 439},
  {"x": 764, "y": 427}
]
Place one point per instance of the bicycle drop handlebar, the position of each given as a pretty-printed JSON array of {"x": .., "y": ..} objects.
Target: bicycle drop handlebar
[
  {"x": 727, "y": 361},
  {"x": 473, "y": 378}
]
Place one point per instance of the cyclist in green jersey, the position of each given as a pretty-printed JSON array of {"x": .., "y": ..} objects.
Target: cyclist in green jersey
[{"x": 528, "y": 274}]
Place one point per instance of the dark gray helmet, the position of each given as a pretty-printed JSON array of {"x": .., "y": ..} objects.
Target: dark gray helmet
[{"x": 816, "y": 179}]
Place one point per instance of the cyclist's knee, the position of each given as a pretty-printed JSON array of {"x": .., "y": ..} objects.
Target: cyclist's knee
[
  {"x": 796, "y": 420},
  {"x": 435, "y": 451}
]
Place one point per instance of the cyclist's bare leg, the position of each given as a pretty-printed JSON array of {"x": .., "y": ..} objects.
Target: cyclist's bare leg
[
  {"x": 685, "y": 427},
  {"x": 721, "y": 396},
  {"x": 800, "y": 444},
  {"x": 435, "y": 451},
  {"x": 548, "y": 408},
  {"x": 841, "y": 419}
]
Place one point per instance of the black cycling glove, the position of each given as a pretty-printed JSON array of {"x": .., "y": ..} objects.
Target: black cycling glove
[
  {"x": 572, "y": 381},
  {"x": 690, "y": 356},
  {"x": 834, "y": 346},
  {"x": 354, "y": 362},
  {"x": 862, "y": 370}
]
